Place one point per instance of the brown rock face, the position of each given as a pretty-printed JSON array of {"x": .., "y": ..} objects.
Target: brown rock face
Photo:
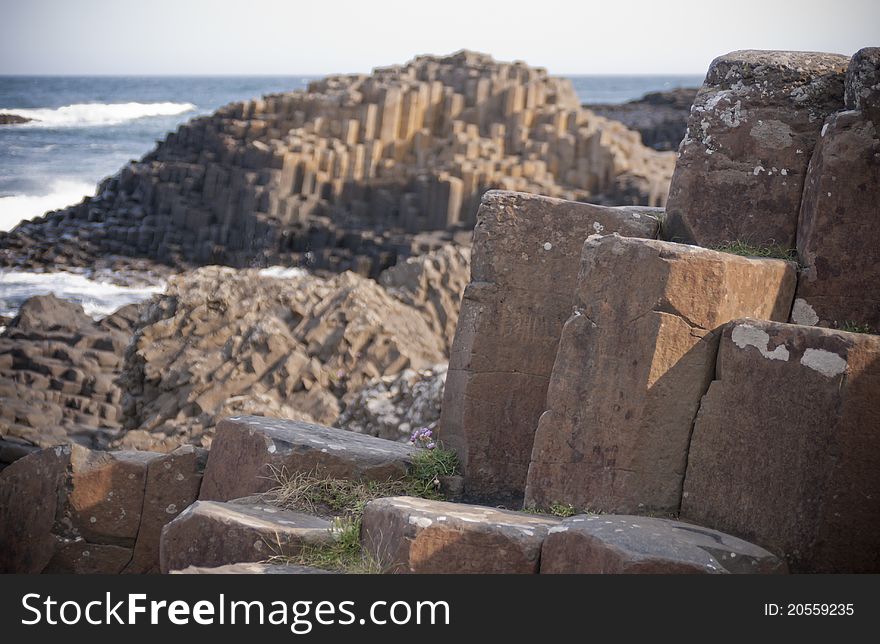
[
  {"x": 69, "y": 509},
  {"x": 172, "y": 485},
  {"x": 614, "y": 544},
  {"x": 785, "y": 450},
  {"x": 751, "y": 132},
  {"x": 633, "y": 362},
  {"x": 57, "y": 373},
  {"x": 409, "y": 535},
  {"x": 525, "y": 262},
  {"x": 106, "y": 494},
  {"x": 31, "y": 491},
  {"x": 838, "y": 236},
  {"x": 214, "y": 534},
  {"x": 84, "y": 558},
  {"x": 248, "y": 448}
]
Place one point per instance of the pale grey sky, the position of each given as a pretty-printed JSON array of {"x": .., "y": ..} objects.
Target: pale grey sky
[{"x": 322, "y": 36}]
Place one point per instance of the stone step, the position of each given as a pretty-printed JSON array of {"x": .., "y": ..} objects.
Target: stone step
[
  {"x": 210, "y": 533},
  {"x": 251, "y": 569},
  {"x": 615, "y": 544},
  {"x": 633, "y": 362},
  {"x": 786, "y": 447},
  {"x": 411, "y": 535},
  {"x": 247, "y": 449}
]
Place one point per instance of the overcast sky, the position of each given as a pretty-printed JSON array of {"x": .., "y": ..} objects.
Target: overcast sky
[{"x": 322, "y": 36}]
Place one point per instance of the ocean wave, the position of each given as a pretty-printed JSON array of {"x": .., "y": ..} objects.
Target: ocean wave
[
  {"x": 62, "y": 193},
  {"x": 283, "y": 272},
  {"x": 95, "y": 114},
  {"x": 97, "y": 298}
]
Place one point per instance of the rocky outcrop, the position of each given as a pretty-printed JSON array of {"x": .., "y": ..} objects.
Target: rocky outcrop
[
  {"x": 633, "y": 361},
  {"x": 785, "y": 448},
  {"x": 432, "y": 284},
  {"x": 394, "y": 406},
  {"x": 13, "y": 119},
  {"x": 525, "y": 264},
  {"x": 614, "y": 544},
  {"x": 225, "y": 342},
  {"x": 69, "y": 509},
  {"x": 838, "y": 242},
  {"x": 58, "y": 370},
  {"x": 346, "y": 174},
  {"x": 249, "y": 450},
  {"x": 751, "y": 132},
  {"x": 409, "y": 535},
  {"x": 660, "y": 117}
]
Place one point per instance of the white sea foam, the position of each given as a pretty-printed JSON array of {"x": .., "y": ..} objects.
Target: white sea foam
[
  {"x": 97, "y": 298},
  {"x": 283, "y": 272},
  {"x": 95, "y": 114},
  {"x": 62, "y": 193}
]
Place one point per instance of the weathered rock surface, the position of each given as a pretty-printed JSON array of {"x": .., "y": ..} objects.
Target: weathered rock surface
[
  {"x": 346, "y": 174},
  {"x": 432, "y": 284},
  {"x": 614, "y": 544},
  {"x": 525, "y": 264},
  {"x": 251, "y": 569},
  {"x": 172, "y": 484},
  {"x": 660, "y": 117},
  {"x": 633, "y": 362},
  {"x": 247, "y": 449},
  {"x": 209, "y": 534},
  {"x": 69, "y": 509},
  {"x": 863, "y": 83},
  {"x": 57, "y": 373},
  {"x": 31, "y": 490},
  {"x": 225, "y": 342},
  {"x": 394, "y": 406},
  {"x": 838, "y": 238},
  {"x": 785, "y": 450},
  {"x": 410, "y": 535},
  {"x": 752, "y": 129}
]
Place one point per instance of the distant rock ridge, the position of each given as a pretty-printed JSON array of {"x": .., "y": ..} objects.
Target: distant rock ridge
[
  {"x": 660, "y": 117},
  {"x": 352, "y": 173}
]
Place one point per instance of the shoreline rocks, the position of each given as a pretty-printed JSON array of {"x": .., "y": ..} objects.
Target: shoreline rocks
[
  {"x": 660, "y": 117},
  {"x": 354, "y": 173}
]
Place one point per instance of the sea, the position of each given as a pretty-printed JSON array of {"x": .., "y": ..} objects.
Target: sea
[{"x": 87, "y": 127}]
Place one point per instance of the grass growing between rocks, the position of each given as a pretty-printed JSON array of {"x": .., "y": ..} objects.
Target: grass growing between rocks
[
  {"x": 563, "y": 510},
  {"x": 344, "y": 500},
  {"x": 343, "y": 555},
  {"x": 745, "y": 249},
  {"x": 855, "y": 327}
]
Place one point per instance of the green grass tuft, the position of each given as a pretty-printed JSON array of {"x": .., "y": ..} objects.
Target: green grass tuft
[
  {"x": 769, "y": 251},
  {"x": 344, "y": 555},
  {"x": 563, "y": 510},
  {"x": 345, "y": 501},
  {"x": 855, "y": 327}
]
